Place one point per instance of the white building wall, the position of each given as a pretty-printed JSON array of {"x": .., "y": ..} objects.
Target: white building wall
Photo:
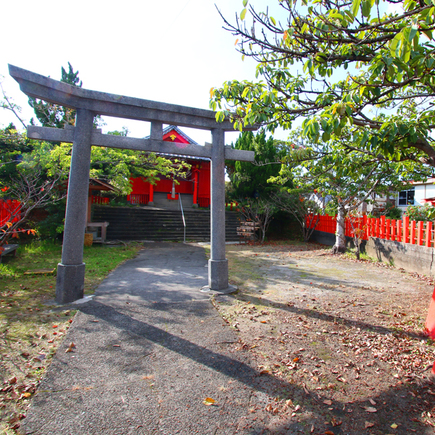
[{"x": 423, "y": 191}]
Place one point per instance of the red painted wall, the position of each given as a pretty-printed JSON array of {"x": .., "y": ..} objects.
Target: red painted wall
[
  {"x": 204, "y": 180},
  {"x": 139, "y": 186}
]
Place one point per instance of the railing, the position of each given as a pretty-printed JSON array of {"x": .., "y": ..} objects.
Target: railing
[
  {"x": 182, "y": 215},
  {"x": 402, "y": 230}
]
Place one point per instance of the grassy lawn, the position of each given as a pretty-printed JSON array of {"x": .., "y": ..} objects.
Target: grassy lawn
[{"x": 31, "y": 325}]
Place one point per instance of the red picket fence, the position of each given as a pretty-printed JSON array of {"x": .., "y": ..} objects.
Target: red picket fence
[
  {"x": 403, "y": 230},
  {"x": 231, "y": 205},
  {"x": 138, "y": 198},
  {"x": 8, "y": 209},
  {"x": 99, "y": 200}
]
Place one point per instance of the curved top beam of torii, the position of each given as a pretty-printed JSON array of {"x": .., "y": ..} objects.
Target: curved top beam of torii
[{"x": 102, "y": 103}]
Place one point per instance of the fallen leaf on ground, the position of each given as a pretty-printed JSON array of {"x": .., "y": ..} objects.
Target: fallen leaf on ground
[
  {"x": 370, "y": 409},
  {"x": 70, "y": 347},
  {"x": 369, "y": 424},
  {"x": 208, "y": 401},
  {"x": 335, "y": 422}
]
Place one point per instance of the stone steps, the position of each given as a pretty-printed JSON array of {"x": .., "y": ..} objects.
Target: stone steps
[{"x": 145, "y": 223}]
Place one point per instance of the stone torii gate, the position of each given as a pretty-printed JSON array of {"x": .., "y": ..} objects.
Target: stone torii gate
[{"x": 88, "y": 104}]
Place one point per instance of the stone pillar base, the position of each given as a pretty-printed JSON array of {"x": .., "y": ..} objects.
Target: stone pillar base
[
  {"x": 226, "y": 291},
  {"x": 218, "y": 277},
  {"x": 70, "y": 282}
]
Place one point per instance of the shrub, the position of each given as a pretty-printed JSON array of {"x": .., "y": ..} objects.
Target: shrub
[
  {"x": 420, "y": 212},
  {"x": 393, "y": 213}
]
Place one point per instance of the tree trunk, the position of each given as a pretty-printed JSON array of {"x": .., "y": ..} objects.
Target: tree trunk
[{"x": 340, "y": 238}]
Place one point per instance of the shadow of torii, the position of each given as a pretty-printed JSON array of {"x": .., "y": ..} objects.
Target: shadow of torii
[{"x": 88, "y": 104}]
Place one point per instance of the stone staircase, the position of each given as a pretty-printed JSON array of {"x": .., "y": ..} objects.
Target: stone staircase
[{"x": 146, "y": 223}]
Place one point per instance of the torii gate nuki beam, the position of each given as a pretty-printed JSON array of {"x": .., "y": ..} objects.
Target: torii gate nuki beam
[{"x": 88, "y": 104}]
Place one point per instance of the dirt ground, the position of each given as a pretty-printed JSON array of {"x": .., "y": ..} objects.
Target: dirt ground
[{"x": 343, "y": 339}]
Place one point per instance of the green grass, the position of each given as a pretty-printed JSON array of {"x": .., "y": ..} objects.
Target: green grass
[{"x": 31, "y": 327}]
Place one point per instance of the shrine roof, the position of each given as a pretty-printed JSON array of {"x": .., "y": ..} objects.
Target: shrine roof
[{"x": 179, "y": 133}]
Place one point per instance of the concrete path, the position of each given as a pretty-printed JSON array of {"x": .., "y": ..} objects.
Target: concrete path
[{"x": 150, "y": 348}]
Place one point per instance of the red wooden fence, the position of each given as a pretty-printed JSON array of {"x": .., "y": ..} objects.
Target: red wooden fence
[
  {"x": 8, "y": 209},
  {"x": 404, "y": 230},
  {"x": 99, "y": 200}
]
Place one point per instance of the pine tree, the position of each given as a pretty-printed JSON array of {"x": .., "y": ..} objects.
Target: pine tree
[
  {"x": 52, "y": 115},
  {"x": 250, "y": 180}
]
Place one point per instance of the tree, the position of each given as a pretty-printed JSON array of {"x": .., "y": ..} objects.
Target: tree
[
  {"x": 30, "y": 191},
  {"x": 299, "y": 204},
  {"x": 346, "y": 178},
  {"x": 259, "y": 211},
  {"x": 249, "y": 180},
  {"x": 116, "y": 166},
  {"x": 52, "y": 115},
  {"x": 24, "y": 183},
  {"x": 360, "y": 67},
  {"x": 8, "y": 104}
]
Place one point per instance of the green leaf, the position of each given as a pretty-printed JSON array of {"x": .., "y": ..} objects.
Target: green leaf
[
  {"x": 245, "y": 2},
  {"x": 243, "y": 14},
  {"x": 395, "y": 44},
  {"x": 326, "y": 136},
  {"x": 273, "y": 20},
  {"x": 366, "y": 8},
  {"x": 412, "y": 32},
  {"x": 355, "y": 7}
]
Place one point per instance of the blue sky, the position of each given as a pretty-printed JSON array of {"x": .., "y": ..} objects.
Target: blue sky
[{"x": 172, "y": 51}]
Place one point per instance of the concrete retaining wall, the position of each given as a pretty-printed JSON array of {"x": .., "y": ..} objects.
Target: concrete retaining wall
[{"x": 412, "y": 258}]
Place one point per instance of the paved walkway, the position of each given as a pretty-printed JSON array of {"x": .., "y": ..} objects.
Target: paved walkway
[{"x": 150, "y": 348}]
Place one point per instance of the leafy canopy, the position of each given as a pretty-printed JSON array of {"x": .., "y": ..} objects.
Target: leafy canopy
[
  {"x": 345, "y": 178},
  {"x": 363, "y": 66}
]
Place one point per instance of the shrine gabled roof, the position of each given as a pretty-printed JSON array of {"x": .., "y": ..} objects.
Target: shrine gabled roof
[
  {"x": 179, "y": 133},
  {"x": 184, "y": 139}
]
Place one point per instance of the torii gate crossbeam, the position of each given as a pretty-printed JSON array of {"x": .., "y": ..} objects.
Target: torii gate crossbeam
[{"x": 88, "y": 104}]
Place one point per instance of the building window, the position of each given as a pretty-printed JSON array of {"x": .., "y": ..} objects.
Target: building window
[{"x": 406, "y": 197}]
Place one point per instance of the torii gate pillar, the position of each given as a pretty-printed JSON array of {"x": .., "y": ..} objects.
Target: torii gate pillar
[
  {"x": 218, "y": 264},
  {"x": 71, "y": 271}
]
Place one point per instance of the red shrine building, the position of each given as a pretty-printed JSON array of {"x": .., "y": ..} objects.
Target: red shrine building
[{"x": 194, "y": 191}]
